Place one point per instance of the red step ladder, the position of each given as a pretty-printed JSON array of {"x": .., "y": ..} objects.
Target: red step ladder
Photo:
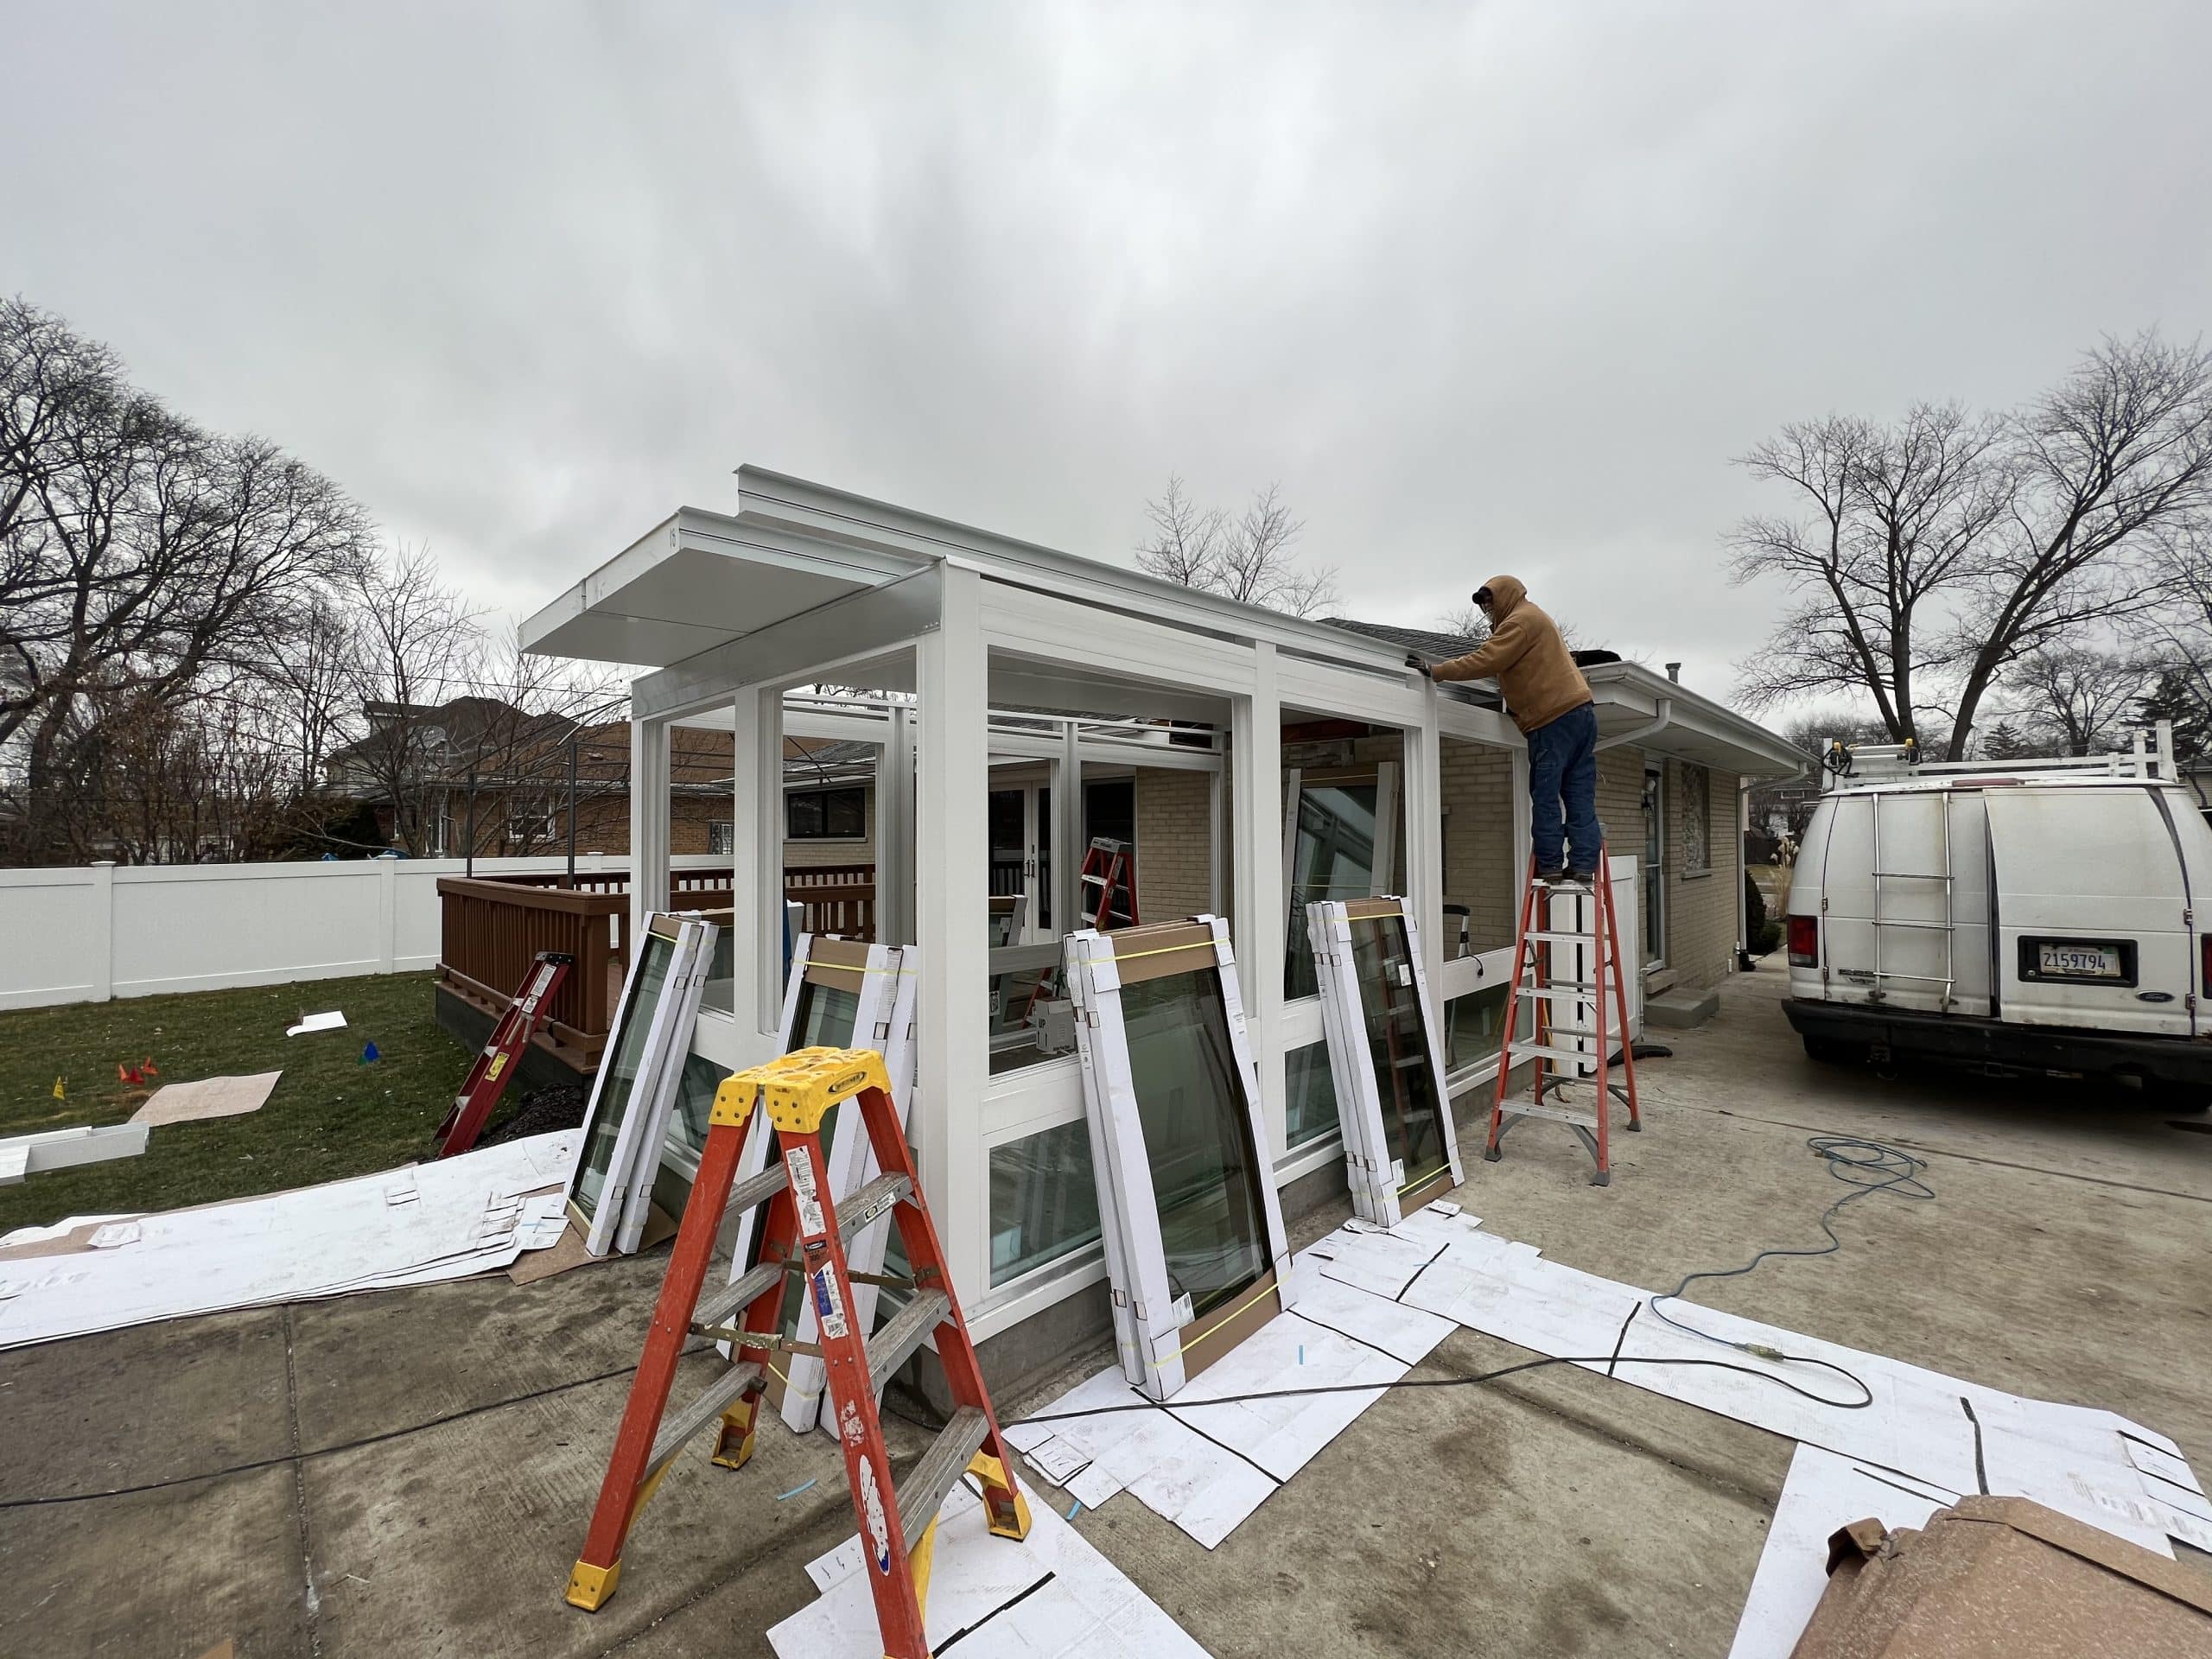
[
  {"x": 487, "y": 1079},
  {"x": 804, "y": 1236},
  {"x": 1108, "y": 867},
  {"x": 1594, "y": 927}
]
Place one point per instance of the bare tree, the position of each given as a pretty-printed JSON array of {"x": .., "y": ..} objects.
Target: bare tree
[
  {"x": 1247, "y": 558},
  {"x": 1928, "y": 557},
  {"x": 2071, "y": 699},
  {"x": 1888, "y": 526},
  {"x": 140, "y": 557},
  {"x": 2107, "y": 462}
]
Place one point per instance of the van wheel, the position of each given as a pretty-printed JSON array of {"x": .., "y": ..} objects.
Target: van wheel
[
  {"x": 1832, "y": 1050},
  {"x": 2178, "y": 1096}
]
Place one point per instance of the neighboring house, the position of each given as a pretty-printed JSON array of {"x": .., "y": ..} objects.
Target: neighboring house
[{"x": 1036, "y": 700}]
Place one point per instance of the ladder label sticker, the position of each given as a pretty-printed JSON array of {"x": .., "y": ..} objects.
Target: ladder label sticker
[
  {"x": 498, "y": 1065},
  {"x": 802, "y": 1192},
  {"x": 829, "y": 1307},
  {"x": 879, "y": 1529}
]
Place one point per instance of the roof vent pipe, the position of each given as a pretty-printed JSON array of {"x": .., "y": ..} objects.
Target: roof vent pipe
[{"x": 1675, "y": 672}]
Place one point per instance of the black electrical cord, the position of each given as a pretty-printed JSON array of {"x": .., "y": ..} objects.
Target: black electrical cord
[
  {"x": 1471, "y": 1381},
  {"x": 1866, "y": 1168}
]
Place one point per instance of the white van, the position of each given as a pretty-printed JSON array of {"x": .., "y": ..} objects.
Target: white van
[{"x": 2032, "y": 916}]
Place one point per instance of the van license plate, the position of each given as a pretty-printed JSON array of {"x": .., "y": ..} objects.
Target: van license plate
[{"x": 2079, "y": 961}]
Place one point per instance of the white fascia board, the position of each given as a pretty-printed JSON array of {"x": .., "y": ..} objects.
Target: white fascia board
[
  {"x": 1635, "y": 690},
  {"x": 1325, "y": 689},
  {"x": 775, "y": 496}
]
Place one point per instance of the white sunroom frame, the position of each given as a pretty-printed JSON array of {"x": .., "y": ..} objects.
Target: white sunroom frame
[{"x": 804, "y": 586}]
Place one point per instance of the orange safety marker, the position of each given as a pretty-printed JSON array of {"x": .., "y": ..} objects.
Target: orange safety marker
[
  {"x": 805, "y": 1236},
  {"x": 1596, "y": 927},
  {"x": 501, "y": 1056}
]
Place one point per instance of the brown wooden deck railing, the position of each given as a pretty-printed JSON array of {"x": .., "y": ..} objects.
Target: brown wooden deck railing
[{"x": 493, "y": 925}]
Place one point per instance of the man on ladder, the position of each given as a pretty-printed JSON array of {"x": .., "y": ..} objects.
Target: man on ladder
[{"x": 1549, "y": 701}]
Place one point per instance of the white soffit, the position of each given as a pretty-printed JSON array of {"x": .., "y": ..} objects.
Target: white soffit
[
  {"x": 1628, "y": 697},
  {"x": 700, "y": 580}
]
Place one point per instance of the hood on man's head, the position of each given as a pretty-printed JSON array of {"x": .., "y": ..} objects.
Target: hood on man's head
[{"x": 1505, "y": 593}]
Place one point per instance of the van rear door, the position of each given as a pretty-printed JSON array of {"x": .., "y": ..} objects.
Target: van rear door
[{"x": 2091, "y": 909}]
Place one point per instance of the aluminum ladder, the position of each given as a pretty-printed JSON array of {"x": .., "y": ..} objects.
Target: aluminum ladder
[
  {"x": 1947, "y": 927},
  {"x": 805, "y": 1237},
  {"x": 1595, "y": 928}
]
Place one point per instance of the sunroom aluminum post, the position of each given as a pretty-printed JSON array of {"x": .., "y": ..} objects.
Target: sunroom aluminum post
[
  {"x": 1255, "y": 740},
  {"x": 757, "y": 861},
  {"x": 952, "y": 898},
  {"x": 649, "y": 783},
  {"x": 1424, "y": 891},
  {"x": 1069, "y": 842},
  {"x": 894, "y": 833}
]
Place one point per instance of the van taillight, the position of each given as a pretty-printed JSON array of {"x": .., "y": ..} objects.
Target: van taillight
[
  {"x": 2204, "y": 976},
  {"x": 1805, "y": 942}
]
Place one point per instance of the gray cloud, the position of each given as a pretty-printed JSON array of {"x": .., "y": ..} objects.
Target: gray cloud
[{"x": 1503, "y": 287}]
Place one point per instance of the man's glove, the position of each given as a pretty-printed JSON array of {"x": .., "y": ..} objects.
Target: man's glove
[{"x": 1415, "y": 661}]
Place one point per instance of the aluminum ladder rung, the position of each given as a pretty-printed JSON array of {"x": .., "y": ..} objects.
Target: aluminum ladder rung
[
  {"x": 756, "y": 1190},
  {"x": 1578, "y": 1031},
  {"x": 894, "y": 1344},
  {"x": 1915, "y": 876},
  {"x": 1560, "y": 988},
  {"x": 866, "y": 1203},
  {"x": 711, "y": 1402},
  {"x": 1552, "y": 936},
  {"x": 1903, "y": 921},
  {"x": 1556, "y": 1114},
  {"x": 739, "y": 1293},
  {"x": 923, "y": 1492},
  {"x": 1545, "y": 1050}
]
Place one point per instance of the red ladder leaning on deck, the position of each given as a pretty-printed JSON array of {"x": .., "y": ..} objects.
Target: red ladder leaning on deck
[
  {"x": 805, "y": 1237},
  {"x": 1594, "y": 926}
]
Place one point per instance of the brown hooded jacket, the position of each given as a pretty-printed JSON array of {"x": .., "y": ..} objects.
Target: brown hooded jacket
[{"x": 1526, "y": 656}]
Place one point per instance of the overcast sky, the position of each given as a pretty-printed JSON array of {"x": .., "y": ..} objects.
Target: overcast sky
[{"x": 1493, "y": 289}]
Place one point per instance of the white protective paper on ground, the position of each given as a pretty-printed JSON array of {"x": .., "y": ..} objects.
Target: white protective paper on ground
[
  {"x": 443, "y": 1220},
  {"x": 1823, "y": 1493},
  {"x": 193, "y": 1102},
  {"x": 1206, "y": 1467},
  {"x": 1049, "y": 1596},
  {"x": 330, "y": 1021}
]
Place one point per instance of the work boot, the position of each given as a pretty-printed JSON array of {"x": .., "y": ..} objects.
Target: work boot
[{"x": 1581, "y": 878}]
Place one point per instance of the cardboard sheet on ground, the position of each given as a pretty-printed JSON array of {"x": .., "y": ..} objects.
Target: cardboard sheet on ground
[
  {"x": 1049, "y": 1596},
  {"x": 192, "y": 1102},
  {"x": 415, "y": 1225},
  {"x": 1207, "y": 1466},
  {"x": 331, "y": 1021}
]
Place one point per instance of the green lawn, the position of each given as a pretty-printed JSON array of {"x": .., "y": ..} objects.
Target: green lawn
[{"x": 331, "y": 1116}]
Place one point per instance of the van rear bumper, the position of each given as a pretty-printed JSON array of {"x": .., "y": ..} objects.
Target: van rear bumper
[{"x": 1978, "y": 1041}]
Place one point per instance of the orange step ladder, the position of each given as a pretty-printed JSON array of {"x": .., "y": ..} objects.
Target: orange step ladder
[
  {"x": 1595, "y": 927},
  {"x": 501, "y": 1054},
  {"x": 804, "y": 1236}
]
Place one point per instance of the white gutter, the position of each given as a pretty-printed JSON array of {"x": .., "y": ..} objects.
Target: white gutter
[{"x": 1652, "y": 728}]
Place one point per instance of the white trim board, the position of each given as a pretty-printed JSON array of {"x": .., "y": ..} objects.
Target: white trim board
[
  {"x": 883, "y": 1020},
  {"x": 1149, "y": 1317},
  {"x": 1377, "y": 1175},
  {"x": 85, "y": 1143}
]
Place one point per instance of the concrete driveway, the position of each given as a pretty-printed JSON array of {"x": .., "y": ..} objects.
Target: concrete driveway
[{"x": 1556, "y": 1513}]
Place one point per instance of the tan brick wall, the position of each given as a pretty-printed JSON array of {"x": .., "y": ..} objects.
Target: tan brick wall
[
  {"x": 1476, "y": 782},
  {"x": 1700, "y": 909},
  {"x": 1175, "y": 842},
  {"x": 813, "y": 855}
]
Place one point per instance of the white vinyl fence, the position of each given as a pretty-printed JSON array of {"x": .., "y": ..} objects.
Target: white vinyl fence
[{"x": 85, "y": 935}]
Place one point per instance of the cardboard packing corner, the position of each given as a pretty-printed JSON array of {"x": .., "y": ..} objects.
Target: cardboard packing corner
[{"x": 2003, "y": 1578}]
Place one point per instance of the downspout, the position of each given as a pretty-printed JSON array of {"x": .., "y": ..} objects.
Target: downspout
[{"x": 1652, "y": 728}]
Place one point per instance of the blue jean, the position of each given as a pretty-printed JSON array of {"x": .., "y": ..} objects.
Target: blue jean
[{"x": 1563, "y": 765}]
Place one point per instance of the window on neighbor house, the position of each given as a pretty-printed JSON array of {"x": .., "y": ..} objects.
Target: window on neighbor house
[
  {"x": 529, "y": 825},
  {"x": 1697, "y": 820},
  {"x": 722, "y": 839},
  {"x": 826, "y": 815}
]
